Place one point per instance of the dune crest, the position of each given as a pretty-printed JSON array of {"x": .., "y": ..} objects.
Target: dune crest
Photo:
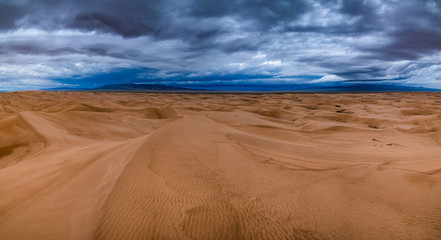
[{"x": 83, "y": 165}]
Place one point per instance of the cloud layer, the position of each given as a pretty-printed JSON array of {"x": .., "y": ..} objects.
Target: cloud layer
[{"x": 70, "y": 42}]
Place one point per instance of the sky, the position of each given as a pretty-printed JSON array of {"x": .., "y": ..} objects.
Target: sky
[{"x": 88, "y": 43}]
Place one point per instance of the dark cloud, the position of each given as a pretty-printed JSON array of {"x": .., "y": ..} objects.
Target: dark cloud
[
  {"x": 108, "y": 23},
  {"x": 32, "y": 48},
  {"x": 412, "y": 29},
  {"x": 127, "y": 18},
  {"x": 407, "y": 44},
  {"x": 361, "y": 73},
  {"x": 9, "y": 14},
  {"x": 184, "y": 39},
  {"x": 263, "y": 14},
  {"x": 362, "y": 8}
]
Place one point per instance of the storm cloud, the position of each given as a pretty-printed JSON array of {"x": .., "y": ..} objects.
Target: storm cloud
[{"x": 50, "y": 43}]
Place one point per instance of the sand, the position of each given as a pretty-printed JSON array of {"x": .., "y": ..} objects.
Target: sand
[{"x": 81, "y": 165}]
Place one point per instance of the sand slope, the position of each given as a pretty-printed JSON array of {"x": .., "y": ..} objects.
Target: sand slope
[{"x": 181, "y": 166}]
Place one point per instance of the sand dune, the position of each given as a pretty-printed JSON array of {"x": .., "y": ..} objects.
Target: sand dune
[{"x": 216, "y": 166}]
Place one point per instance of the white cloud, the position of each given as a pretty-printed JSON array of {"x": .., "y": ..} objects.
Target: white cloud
[
  {"x": 273, "y": 63},
  {"x": 328, "y": 78},
  {"x": 429, "y": 76},
  {"x": 259, "y": 55},
  {"x": 31, "y": 84},
  {"x": 239, "y": 66}
]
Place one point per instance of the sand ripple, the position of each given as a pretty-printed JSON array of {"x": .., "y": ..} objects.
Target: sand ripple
[{"x": 218, "y": 166}]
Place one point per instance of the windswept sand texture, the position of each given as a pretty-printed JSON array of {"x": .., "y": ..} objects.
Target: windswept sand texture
[{"x": 183, "y": 166}]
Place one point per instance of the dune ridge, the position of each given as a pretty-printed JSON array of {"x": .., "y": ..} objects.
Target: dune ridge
[{"x": 85, "y": 165}]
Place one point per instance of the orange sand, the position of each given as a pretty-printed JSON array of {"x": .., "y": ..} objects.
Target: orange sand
[{"x": 200, "y": 166}]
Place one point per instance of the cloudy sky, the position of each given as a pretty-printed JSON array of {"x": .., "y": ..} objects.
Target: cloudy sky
[{"x": 86, "y": 43}]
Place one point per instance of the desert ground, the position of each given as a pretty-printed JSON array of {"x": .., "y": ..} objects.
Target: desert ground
[{"x": 85, "y": 165}]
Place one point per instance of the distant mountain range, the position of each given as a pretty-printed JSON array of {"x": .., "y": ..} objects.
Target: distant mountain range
[{"x": 370, "y": 87}]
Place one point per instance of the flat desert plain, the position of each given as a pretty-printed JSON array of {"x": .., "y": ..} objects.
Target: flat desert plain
[{"x": 89, "y": 165}]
